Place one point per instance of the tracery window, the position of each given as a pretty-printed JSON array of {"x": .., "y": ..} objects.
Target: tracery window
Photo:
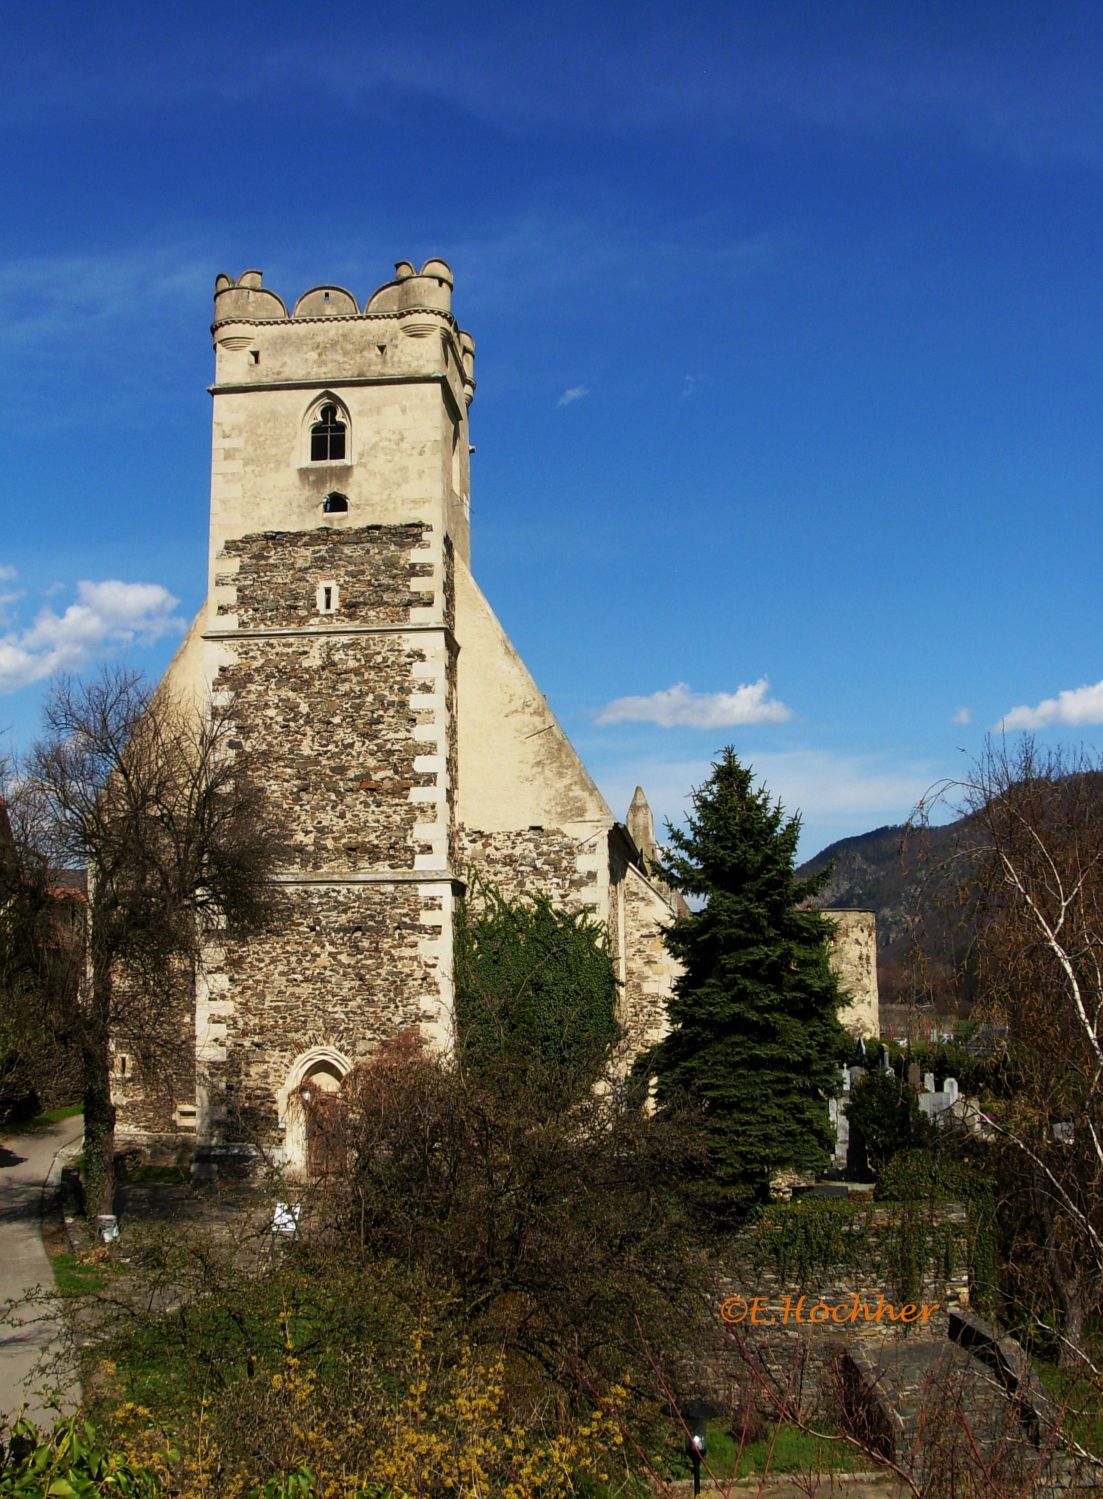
[{"x": 327, "y": 437}]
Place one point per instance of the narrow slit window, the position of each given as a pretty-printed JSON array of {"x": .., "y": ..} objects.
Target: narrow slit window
[
  {"x": 327, "y": 598},
  {"x": 327, "y": 437}
]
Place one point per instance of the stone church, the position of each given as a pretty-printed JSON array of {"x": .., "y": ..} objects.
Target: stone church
[{"x": 406, "y": 744}]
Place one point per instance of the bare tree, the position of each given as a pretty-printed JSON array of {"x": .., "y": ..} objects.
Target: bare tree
[
  {"x": 159, "y": 804},
  {"x": 1030, "y": 862},
  {"x": 41, "y": 926}
]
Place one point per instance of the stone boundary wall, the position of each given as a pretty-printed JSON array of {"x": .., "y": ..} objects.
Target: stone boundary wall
[{"x": 795, "y": 1352}]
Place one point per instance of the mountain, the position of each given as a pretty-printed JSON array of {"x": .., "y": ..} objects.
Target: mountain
[
  {"x": 916, "y": 879},
  {"x": 897, "y": 871}
]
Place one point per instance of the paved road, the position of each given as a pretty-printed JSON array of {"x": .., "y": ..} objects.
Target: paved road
[{"x": 25, "y": 1164}]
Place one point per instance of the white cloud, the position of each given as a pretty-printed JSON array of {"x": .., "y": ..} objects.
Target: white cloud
[
  {"x": 105, "y": 617},
  {"x": 678, "y": 706},
  {"x": 7, "y": 573},
  {"x": 1074, "y": 708},
  {"x": 963, "y": 716},
  {"x": 573, "y": 393}
]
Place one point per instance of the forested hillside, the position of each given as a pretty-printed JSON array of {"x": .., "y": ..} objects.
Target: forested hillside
[
  {"x": 907, "y": 875},
  {"x": 917, "y": 880}
]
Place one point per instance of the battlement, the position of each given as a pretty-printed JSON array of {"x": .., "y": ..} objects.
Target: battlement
[
  {"x": 413, "y": 305},
  {"x": 248, "y": 300}
]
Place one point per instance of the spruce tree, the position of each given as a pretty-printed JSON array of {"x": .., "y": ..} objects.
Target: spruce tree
[{"x": 755, "y": 1041}]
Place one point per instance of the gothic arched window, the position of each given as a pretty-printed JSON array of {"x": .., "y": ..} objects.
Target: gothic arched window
[
  {"x": 327, "y": 437},
  {"x": 335, "y": 504}
]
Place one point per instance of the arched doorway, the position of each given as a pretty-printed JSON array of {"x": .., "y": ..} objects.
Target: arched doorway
[{"x": 314, "y": 1113}]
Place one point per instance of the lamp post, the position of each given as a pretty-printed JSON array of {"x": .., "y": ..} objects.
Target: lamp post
[{"x": 694, "y": 1416}]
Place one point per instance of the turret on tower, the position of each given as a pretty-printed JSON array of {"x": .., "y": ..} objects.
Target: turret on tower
[{"x": 397, "y": 377}]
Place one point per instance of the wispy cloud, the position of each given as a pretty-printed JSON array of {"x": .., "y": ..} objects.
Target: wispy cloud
[
  {"x": 962, "y": 716},
  {"x": 678, "y": 706},
  {"x": 542, "y": 71},
  {"x": 78, "y": 295},
  {"x": 67, "y": 323},
  {"x": 986, "y": 94},
  {"x": 8, "y": 596},
  {"x": 837, "y": 795},
  {"x": 1073, "y": 708},
  {"x": 573, "y": 393},
  {"x": 106, "y": 617}
]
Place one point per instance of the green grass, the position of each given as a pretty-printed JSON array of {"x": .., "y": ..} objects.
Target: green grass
[
  {"x": 49, "y": 1116},
  {"x": 75, "y": 1278},
  {"x": 793, "y": 1451},
  {"x": 1079, "y": 1399},
  {"x": 55, "y": 1116},
  {"x": 785, "y": 1449}
]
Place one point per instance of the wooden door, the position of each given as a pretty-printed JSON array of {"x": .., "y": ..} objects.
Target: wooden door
[{"x": 326, "y": 1147}]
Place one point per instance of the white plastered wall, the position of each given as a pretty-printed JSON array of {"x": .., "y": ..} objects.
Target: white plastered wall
[{"x": 517, "y": 768}]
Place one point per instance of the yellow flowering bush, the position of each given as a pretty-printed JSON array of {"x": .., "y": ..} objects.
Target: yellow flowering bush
[{"x": 443, "y": 1431}]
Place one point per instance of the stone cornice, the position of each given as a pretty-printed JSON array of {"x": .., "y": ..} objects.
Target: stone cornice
[
  {"x": 246, "y": 387},
  {"x": 375, "y": 877},
  {"x": 323, "y": 631},
  {"x": 336, "y": 317}
]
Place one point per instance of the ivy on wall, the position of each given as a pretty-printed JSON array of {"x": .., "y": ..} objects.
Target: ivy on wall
[{"x": 536, "y": 993}]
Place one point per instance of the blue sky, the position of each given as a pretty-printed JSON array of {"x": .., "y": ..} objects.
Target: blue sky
[{"x": 789, "y": 327}]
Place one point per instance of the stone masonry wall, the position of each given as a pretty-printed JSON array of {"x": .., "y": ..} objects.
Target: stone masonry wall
[
  {"x": 342, "y": 969},
  {"x": 854, "y": 959},
  {"x": 277, "y": 574},
  {"x": 451, "y": 745},
  {"x": 348, "y": 711},
  {"x": 789, "y": 1336},
  {"x": 529, "y": 862},
  {"x": 153, "y": 1069},
  {"x": 334, "y": 716},
  {"x": 648, "y": 965}
]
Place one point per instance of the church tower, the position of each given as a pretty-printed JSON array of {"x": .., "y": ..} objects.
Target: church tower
[
  {"x": 407, "y": 753},
  {"x": 339, "y": 506}
]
